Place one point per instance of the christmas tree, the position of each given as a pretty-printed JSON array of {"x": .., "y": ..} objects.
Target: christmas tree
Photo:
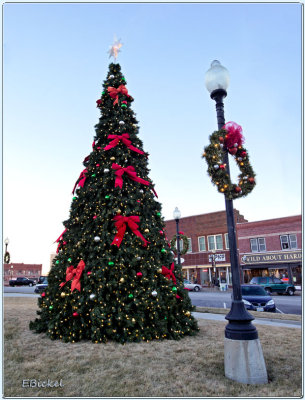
[{"x": 114, "y": 277}]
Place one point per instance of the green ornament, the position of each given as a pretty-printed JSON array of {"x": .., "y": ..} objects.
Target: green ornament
[
  {"x": 174, "y": 289},
  {"x": 74, "y": 198},
  {"x": 93, "y": 175},
  {"x": 103, "y": 92},
  {"x": 123, "y": 106},
  {"x": 130, "y": 295},
  {"x": 165, "y": 317},
  {"x": 50, "y": 307},
  {"x": 123, "y": 79},
  {"x": 107, "y": 197},
  {"x": 163, "y": 251},
  {"x": 70, "y": 259},
  {"x": 158, "y": 214},
  {"x": 57, "y": 262},
  {"x": 111, "y": 263}
]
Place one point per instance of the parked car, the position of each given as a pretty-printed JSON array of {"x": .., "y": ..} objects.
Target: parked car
[
  {"x": 257, "y": 299},
  {"x": 191, "y": 286},
  {"x": 272, "y": 284},
  {"x": 20, "y": 281},
  {"x": 41, "y": 285}
]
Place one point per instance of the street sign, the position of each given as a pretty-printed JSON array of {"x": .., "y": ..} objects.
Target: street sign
[{"x": 218, "y": 257}]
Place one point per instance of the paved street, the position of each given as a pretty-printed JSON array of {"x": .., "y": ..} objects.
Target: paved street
[{"x": 284, "y": 304}]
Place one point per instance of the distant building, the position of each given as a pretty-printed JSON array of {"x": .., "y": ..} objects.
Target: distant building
[
  {"x": 52, "y": 256},
  {"x": 14, "y": 270},
  {"x": 271, "y": 247},
  {"x": 206, "y": 233}
]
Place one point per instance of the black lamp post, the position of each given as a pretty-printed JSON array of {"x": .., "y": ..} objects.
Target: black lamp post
[
  {"x": 177, "y": 216},
  {"x": 239, "y": 326}
]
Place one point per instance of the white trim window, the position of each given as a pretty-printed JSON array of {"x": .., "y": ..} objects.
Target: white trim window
[
  {"x": 190, "y": 246},
  {"x": 288, "y": 242},
  {"x": 227, "y": 241},
  {"x": 201, "y": 243},
  {"x": 215, "y": 242},
  {"x": 257, "y": 245}
]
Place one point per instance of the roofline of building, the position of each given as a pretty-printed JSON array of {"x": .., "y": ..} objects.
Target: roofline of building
[
  {"x": 199, "y": 215},
  {"x": 269, "y": 219}
]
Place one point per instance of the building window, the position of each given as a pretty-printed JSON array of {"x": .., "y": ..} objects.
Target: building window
[
  {"x": 227, "y": 241},
  {"x": 201, "y": 243},
  {"x": 288, "y": 242},
  {"x": 215, "y": 242},
  {"x": 190, "y": 245},
  {"x": 257, "y": 245}
]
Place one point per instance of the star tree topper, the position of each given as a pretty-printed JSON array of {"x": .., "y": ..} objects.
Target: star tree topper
[{"x": 115, "y": 49}]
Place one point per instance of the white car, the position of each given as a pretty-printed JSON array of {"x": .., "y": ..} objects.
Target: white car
[{"x": 191, "y": 286}]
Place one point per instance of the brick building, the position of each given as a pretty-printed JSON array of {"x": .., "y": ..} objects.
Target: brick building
[
  {"x": 14, "y": 270},
  {"x": 207, "y": 235},
  {"x": 271, "y": 247}
]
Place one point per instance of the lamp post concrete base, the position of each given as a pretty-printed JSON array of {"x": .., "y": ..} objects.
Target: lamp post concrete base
[{"x": 244, "y": 361}]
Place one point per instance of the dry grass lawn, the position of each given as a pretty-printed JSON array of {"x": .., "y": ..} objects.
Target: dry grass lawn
[{"x": 193, "y": 366}]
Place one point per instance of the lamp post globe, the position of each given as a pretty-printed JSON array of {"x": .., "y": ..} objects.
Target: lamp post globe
[{"x": 177, "y": 216}]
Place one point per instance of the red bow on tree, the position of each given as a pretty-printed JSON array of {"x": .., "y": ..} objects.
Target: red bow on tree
[
  {"x": 114, "y": 93},
  {"x": 130, "y": 171},
  {"x": 75, "y": 274},
  {"x": 121, "y": 225},
  {"x": 81, "y": 180},
  {"x": 169, "y": 273},
  {"x": 125, "y": 139},
  {"x": 61, "y": 236}
]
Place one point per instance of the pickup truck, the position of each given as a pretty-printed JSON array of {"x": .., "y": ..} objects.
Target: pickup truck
[{"x": 21, "y": 282}]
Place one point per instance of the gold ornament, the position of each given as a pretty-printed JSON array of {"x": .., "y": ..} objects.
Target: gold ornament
[
  {"x": 62, "y": 294},
  {"x": 146, "y": 230},
  {"x": 187, "y": 313},
  {"x": 122, "y": 280},
  {"x": 119, "y": 211},
  {"x": 112, "y": 158},
  {"x": 160, "y": 270},
  {"x": 133, "y": 320}
]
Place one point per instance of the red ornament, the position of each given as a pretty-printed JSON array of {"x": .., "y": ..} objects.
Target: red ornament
[
  {"x": 221, "y": 139},
  {"x": 43, "y": 294},
  {"x": 97, "y": 165},
  {"x": 177, "y": 296},
  {"x": 139, "y": 201},
  {"x": 124, "y": 102},
  {"x": 243, "y": 154},
  {"x": 139, "y": 274},
  {"x": 98, "y": 102},
  {"x": 94, "y": 217},
  {"x": 251, "y": 180},
  {"x": 222, "y": 166},
  {"x": 98, "y": 148},
  {"x": 89, "y": 273},
  {"x": 75, "y": 314},
  {"x": 237, "y": 189},
  {"x": 233, "y": 151},
  {"x": 161, "y": 232}
]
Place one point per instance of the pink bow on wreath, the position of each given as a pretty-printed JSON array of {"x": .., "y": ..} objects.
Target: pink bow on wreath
[{"x": 234, "y": 137}]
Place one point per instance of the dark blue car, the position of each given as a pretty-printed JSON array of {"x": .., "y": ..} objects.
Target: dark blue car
[{"x": 257, "y": 299}]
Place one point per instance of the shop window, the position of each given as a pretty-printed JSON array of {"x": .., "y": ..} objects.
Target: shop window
[
  {"x": 288, "y": 242},
  {"x": 215, "y": 242},
  {"x": 257, "y": 245},
  {"x": 190, "y": 245},
  {"x": 227, "y": 241},
  {"x": 201, "y": 243}
]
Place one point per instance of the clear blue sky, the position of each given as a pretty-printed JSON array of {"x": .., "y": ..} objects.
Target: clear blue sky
[{"x": 55, "y": 60}]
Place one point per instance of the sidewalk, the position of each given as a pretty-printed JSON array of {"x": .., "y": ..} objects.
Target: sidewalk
[{"x": 259, "y": 321}]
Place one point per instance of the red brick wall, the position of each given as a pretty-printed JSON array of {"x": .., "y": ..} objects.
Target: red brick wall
[
  {"x": 21, "y": 270},
  {"x": 270, "y": 230},
  {"x": 201, "y": 225}
]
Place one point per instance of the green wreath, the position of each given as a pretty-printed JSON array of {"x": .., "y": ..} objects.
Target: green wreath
[
  {"x": 7, "y": 257},
  {"x": 185, "y": 244},
  {"x": 217, "y": 170}
]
